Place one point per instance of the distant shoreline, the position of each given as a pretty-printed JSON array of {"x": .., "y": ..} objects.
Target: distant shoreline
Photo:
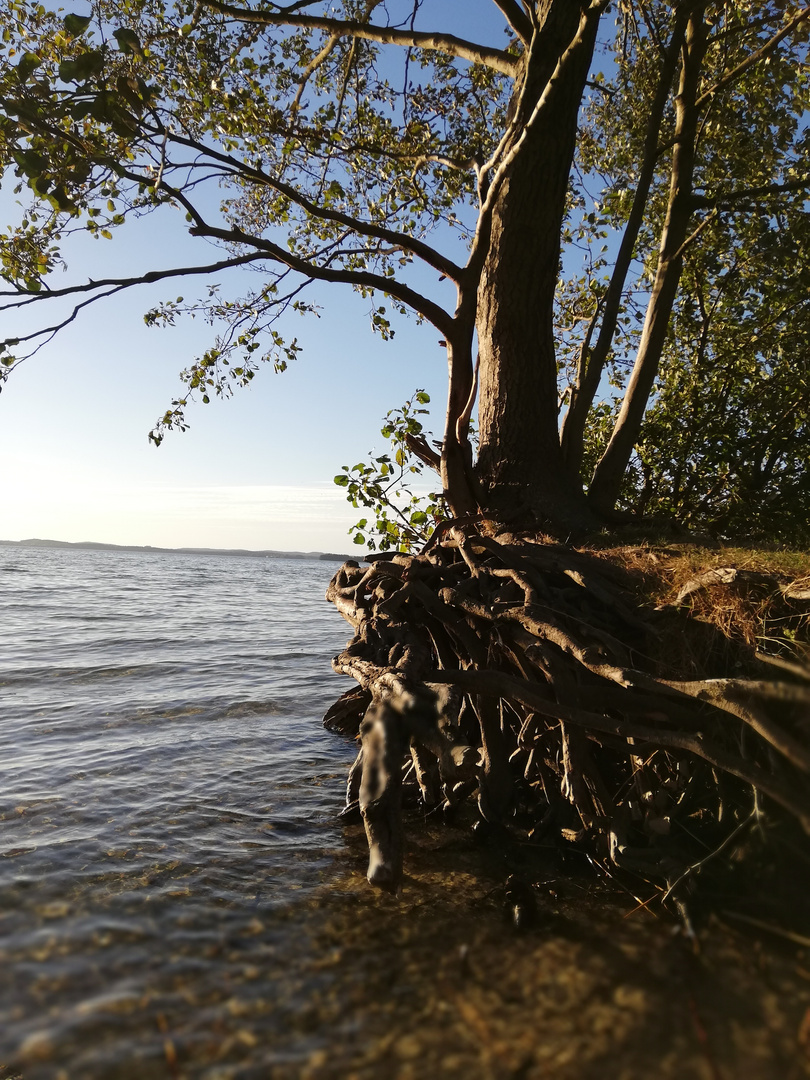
[{"x": 89, "y": 545}]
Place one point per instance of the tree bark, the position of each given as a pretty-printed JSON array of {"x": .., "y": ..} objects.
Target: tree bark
[
  {"x": 520, "y": 467},
  {"x": 607, "y": 478},
  {"x": 456, "y": 472},
  {"x": 592, "y": 361}
]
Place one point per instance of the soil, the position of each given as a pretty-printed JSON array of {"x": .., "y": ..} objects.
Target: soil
[{"x": 441, "y": 983}]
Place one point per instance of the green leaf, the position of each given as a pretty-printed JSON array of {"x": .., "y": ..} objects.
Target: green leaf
[
  {"x": 69, "y": 71},
  {"x": 77, "y": 24},
  {"x": 128, "y": 41},
  {"x": 60, "y": 199},
  {"x": 29, "y": 62},
  {"x": 342, "y": 480},
  {"x": 84, "y": 67},
  {"x": 30, "y": 162},
  {"x": 422, "y": 397}
]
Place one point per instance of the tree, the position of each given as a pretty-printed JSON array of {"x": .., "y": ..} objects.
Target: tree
[
  {"x": 355, "y": 137},
  {"x": 355, "y": 147},
  {"x": 729, "y": 222},
  {"x": 391, "y": 149}
]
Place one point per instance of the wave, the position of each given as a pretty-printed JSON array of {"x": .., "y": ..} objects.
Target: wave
[
  {"x": 80, "y": 675},
  {"x": 213, "y": 709},
  {"x": 241, "y": 709}
]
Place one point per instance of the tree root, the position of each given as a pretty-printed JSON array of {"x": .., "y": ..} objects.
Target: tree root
[{"x": 529, "y": 675}]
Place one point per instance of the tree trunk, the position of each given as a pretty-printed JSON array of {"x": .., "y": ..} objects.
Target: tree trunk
[
  {"x": 607, "y": 478},
  {"x": 520, "y": 467},
  {"x": 592, "y": 360},
  {"x": 458, "y": 481}
]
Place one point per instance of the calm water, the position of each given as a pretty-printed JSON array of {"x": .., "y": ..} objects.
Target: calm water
[{"x": 179, "y": 900}]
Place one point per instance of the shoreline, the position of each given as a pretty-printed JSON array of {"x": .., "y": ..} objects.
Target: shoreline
[{"x": 90, "y": 545}]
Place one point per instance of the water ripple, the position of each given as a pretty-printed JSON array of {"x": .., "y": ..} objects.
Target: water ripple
[{"x": 168, "y": 800}]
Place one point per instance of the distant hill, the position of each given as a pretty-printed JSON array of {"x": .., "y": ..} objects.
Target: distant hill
[{"x": 89, "y": 545}]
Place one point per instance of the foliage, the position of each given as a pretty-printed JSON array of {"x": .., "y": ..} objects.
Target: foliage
[
  {"x": 329, "y": 176},
  {"x": 402, "y": 519},
  {"x": 725, "y": 444},
  {"x": 213, "y": 372}
]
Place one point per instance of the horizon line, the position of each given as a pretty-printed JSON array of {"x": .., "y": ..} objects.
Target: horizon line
[{"x": 96, "y": 545}]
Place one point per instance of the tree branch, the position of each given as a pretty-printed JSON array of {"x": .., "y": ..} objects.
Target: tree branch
[
  {"x": 463, "y": 421},
  {"x": 720, "y": 202},
  {"x": 589, "y": 373},
  {"x": 418, "y": 446},
  {"x": 690, "y": 239},
  {"x": 432, "y": 311},
  {"x": 416, "y": 247},
  {"x": 516, "y": 18},
  {"x": 496, "y": 59},
  {"x": 755, "y": 57},
  {"x": 311, "y": 68},
  {"x": 117, "y": 284}
]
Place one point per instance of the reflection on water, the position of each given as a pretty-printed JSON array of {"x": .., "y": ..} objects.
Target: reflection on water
[{"x": 178, "y": 900}]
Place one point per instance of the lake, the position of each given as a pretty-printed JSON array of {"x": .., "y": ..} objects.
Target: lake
[{"x": 178, "y": 897}]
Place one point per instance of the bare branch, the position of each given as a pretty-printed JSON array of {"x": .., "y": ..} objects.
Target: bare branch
[
  {"x": 516, "y": 18},
  {"x": 418, "y": 446},
  {"x": 720, "y": 202},
  {"x": 496, "y": 59},
  {"x": 463, "y": 421},
  {"x": 592, "y": 362},
  {"x": 311, "y": 68},
  {"x": 432, "y": 311},
  {"x": 117, "y": 284},
  {"x": 690, "y": 239}
]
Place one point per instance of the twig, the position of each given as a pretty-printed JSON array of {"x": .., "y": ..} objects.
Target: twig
[
  {"x": 712, "y": 854},
  {"x": 788, "y": 935}
]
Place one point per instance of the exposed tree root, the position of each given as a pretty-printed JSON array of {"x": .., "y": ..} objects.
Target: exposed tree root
[{"x": 528, "y": 675}]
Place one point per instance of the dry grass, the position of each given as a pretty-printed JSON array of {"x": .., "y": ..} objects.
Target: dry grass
[{"x": 751, "y": 613}]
